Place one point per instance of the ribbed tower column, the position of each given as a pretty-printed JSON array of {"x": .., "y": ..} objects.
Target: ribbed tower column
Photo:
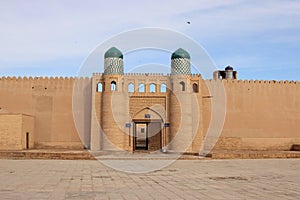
[
  {"x": 180, "y": 102},
  {"x": 114, "y": 102}
]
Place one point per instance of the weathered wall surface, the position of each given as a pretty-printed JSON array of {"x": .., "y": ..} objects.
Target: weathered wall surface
[
  {"x": 13, "y": 129},
  {"x": 10, "y": 132},
  {"x": 49, "y": 100},
  {"x": 27, "y": 128},
  {"x": 112, "y": 109},
  {"x": 261, "y": 115}
]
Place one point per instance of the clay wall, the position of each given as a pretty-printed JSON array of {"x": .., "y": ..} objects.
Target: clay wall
[
  {"x": 13, "y": 129},
  {"x": 49, "y": 100},
  {"x": 10, "y": 132},
  {"x": 27, "y": 128},
  {"x": 261, "y": 115}
]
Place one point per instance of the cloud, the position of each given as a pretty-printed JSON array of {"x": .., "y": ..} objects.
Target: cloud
[{"x": 62, "y": 31}]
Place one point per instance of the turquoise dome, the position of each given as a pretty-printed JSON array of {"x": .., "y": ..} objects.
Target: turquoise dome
[
  {"x": 180, "y": 53},
  {"x": 113, "y": 53},
  {"x": 228, "y": 68}
]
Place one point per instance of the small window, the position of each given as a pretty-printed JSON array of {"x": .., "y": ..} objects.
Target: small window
[
  {"x": 152, "y": 87},
  {"x": 113, "y": 86},
  {"x": 131, "y": 87},
  {"x": 163, "y": 88},
  {"x": 195, "y": 88},
  {"x": 99, "y": 87},
  {"x": 182, "y": 86},
  {"x": 142, "y": 87}
]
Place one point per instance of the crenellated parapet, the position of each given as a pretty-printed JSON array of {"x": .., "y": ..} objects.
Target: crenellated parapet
[
  {"x": 144, "y": 74},
  {"x": 151, "y": 74},
  {"x": 268, "y": 82},
  {"x": 38, "y": 83}
]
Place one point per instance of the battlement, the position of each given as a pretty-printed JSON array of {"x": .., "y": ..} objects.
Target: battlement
[
  {"x": 19, "y": 78},
  {"x": 72, "y": 79},
  {"x": 152, "y": 74},
  {"x": 145, "y": 74},
  {"x": 265, "y": 82},
  {"x": 45, "y": 83}
]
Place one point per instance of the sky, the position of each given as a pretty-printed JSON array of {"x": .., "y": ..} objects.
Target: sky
[{"x": 259, "y": 39}]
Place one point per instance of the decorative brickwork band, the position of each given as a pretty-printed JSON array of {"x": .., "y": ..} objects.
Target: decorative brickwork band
[
  {"x": 113, "y": 65},
  {"x": 180, "y": 66}
]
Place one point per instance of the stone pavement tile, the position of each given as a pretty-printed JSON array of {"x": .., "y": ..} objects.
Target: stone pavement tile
[
  {"x": 201, "y": 179},
  {"x": 130, "y": 196}
]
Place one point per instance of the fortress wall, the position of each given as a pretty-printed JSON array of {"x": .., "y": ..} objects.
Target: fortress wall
[
  {"x": 10, "y": 132},
  {"x": 261, "y": 115},
  {"x": 113, "y": 108},
  {"x": 205, "y": 106},
  {"x": 201, "y": 113},
  {"x": 16, "y": 95},
  {"x": 96, "y": 118},
  {"x": 81, "y": 108},
  {"x": 27, "y": 127},
  {"x": 49, "y": 100}
]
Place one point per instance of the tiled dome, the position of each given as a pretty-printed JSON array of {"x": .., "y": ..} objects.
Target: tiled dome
[
  {"x": 113, "y": 53},
  {"x": 180, "y": 53}
]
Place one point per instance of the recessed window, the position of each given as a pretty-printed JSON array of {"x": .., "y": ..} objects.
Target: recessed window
[
  {"x": 113, "y": 86},
  {"x": 182, "y": 86},
  {"x": 163, "y": 88},
  {"x": 131, "y": 87},
  {"x": 142, "y": 87},
  {"x": 195, "y": 88},
  {"x": 99, "y": 87},
  {"x": 152, "y": 87}
]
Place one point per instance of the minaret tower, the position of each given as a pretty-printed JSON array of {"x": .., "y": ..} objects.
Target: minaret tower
[
  {"x": 114, "y": 102},
  {"x": 180, "y": 101}
]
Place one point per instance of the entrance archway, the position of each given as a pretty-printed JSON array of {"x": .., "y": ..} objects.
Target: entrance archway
[{"x": 148, "y": 130}]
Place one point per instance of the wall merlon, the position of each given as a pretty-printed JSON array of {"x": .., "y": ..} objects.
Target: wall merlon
[
  {"x": 144, "y": 74},
  {"x": 256, "y": 82}
]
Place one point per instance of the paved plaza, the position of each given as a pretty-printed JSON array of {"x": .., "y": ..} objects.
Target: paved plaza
[{"x": 183, "y": 179}]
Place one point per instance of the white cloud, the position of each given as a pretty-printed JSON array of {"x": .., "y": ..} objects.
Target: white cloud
[{"x": 35, "y": 30}]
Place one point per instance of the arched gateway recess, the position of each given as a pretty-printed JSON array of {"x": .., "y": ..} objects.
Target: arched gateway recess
[{"x": 148, "y": 130}]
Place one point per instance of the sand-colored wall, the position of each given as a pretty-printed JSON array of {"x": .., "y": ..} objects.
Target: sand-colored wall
[
  {"x": 49, "y": 100},
  {"x": 13, "y": 129},
  {"x": 27, "y": 127},
  {"x": 10, "y": 132},
  {"x": 261, "y": 115},
  {"x": 112, "y": 109}
]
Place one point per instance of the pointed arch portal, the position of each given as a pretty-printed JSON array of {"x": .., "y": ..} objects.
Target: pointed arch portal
[{"x": 147, "y": 130}]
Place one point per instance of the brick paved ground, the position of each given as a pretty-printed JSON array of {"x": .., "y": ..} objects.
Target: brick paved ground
[{"x": 184, "y": 179}]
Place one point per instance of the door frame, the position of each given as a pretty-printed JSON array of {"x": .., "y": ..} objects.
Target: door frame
[{"x": 135, "y": 148}]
